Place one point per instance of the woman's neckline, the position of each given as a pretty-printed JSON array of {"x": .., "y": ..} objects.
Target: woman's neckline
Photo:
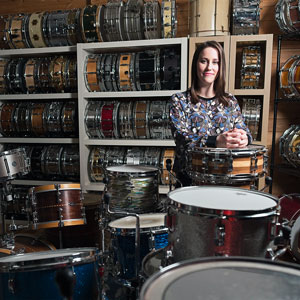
[{"x": 205, "y": 98}]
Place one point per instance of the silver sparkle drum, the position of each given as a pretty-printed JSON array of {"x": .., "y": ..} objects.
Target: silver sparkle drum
[
  {"x": 224, "y": 278},
  {"x": 133, "y": 188},
  {"x": 12, "y": 163},
  {"x": 152, "y": 19},
  {"x": 156, "y": 119},
  {"x": 125, "y": 120},
  {"x": 133, "y": 19},
  {"x": 220, "y": 221}
]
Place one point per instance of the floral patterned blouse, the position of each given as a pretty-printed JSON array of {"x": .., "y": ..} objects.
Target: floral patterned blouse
[{"x": 199, "y": 124}]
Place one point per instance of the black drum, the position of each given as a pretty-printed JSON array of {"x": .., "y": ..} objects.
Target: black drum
[{"x": 15, "y": 76}]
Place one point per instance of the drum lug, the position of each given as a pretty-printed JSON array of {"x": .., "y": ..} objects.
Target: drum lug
[
  {"x": 12, "y": 285},
  {"x": 253, "y": 162},
  {"x": 220, "y": 235}
]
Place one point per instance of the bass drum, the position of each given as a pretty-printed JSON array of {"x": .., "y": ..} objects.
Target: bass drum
[{"x": 186, "y": 279}]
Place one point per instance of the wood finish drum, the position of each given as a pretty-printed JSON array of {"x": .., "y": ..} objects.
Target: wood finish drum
[
  {"x": 38, "y": 119},
  {"x": 3, "y": 32},
  {"x": 57, "y": 206},
  {"x": 92, "y": 70},
  {"x": 140, "y": 120},
  {"x": 35, "y": 28},
  {"x": 7, "y": 111},
  {"x": 165, "y": 176},
  {"x": 3, "y": 67},
  {"x": 125, "y": 66}
]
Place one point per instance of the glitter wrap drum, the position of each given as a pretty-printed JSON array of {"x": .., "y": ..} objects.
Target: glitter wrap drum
[
  {"x": 220, "y": 221},
  {"x": 34, "y": 275},
  {"x": 132, "y": 188},
  {"x": 224, "y": 166},
  {"x": 153, "y": 235},
  {"x": 57, "y": 205},
  {"x": 224, "y": 278}
]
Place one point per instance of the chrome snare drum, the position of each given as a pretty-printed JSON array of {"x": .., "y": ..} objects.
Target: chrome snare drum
[
  {"x": 133, "y": 188},
  {"x": 42, "y": 275},
  {"x": 227, "y": 166},
  {"x": 229, "y": 221},
  {"x": 153, "y": 236}
]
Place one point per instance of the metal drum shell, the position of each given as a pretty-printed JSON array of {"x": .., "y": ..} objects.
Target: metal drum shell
[
  {"x": 53, "y": 118},
  {"x": 70, "y": 167},
  {"x": 92, "y": 119},
  {"x": 125, "y": 117},
  {"x": 169, "y": 19},
  {"x": 134, "y": 25},
  {"x": 96, "y": 163},
  {"x": 152, "y": 20},
  {"x": 22, "y": 119},
  {"x": 15, "y": 80},
  {"x": 51, "y": 166},
  {"x": 73, "y": 26}
]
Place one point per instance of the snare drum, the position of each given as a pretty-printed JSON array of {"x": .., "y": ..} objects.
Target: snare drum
[
  {"x": 108, "y": 72},
  {"x": 125, "y": 72},
  {"x": 70, "y": 74},
  {"x": 114, "y": 156},
  {"x": 43, "y": 75},
  {"x": 224, "y": 278},
  {"x": 133, "y": 188},
  {"x": 287, "y": 16},
  {"x": 140, "y": 119},
  {"x": 92, "y": 73},
  {"x": 153, "y": 235},
  {"x": 15, "y": 75},
  {"x": 169, "y": 19},
  {"x": 134, "y": 156},
  {"x": 125, "y": 120},
  {"x": 109, "y": 120},
  {"x": 51, "y": 165},
  {"x": 3, "y": 73},
  {"x": 57, "y": 73},
  {"x": 35, "y": 29},
  {"x": 57, "y": 205},
  {"x": 38, "y": 119},
  {"x": 167, "y": 154},
  {"x": 209, "y": 17},
  {"x": 69, "y": 119},
  {"x": 4, "y": 24},
  {"x": 70, "y": 161},
  {"x": 30, "y": 74},
  {"x": 53, "y": 118},
  {"x": 133, "y": 20},
  {"x": 43, "y": 275},
  {"x": 73, "y": 27},
  {"x": 26, "y": 243},
  {"x": 96, "y": 166},
  {"x": 156, "y": 119},
  {"x": 147, "y": 68},
  {"x": 225, "y": 218},
  {"x": 88, "y": 21},
  {"x": 92, "y": 119},
  {"x": 12, "y": 163},
  {"x": 7, "y": 125},
  {"x": 36, "y": 155},
  {"x": 224, "y": 166},
  {"x": 152, "y": 19},
  {"x": 18, "y": 35},
  {"x": 21, "y": 119},
  {"x": 152, "y": 156}
]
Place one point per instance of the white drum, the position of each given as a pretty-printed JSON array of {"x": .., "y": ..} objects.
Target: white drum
[{"x": 229, "y": 221}]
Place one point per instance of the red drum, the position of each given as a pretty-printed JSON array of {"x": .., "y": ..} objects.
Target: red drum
[
  {"x": 57, "y": 206},
  {"x": 109, "y": 119},
  {"x": 289, "y": 205}
]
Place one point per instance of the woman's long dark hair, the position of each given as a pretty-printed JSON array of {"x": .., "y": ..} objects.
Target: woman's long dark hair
[{"x": 219, "y": 84}]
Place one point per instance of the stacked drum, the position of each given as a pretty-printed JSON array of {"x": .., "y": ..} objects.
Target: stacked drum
[{"x": 114, "y": 21}]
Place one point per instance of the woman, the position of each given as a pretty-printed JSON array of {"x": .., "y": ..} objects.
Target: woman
[{"x": 205, "y": 115}]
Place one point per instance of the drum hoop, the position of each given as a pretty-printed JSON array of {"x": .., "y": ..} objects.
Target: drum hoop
[
  {"x": 60, "y": 187},
  {"x": 223, "y": 213},
  {"x": 153, "y": 171}
]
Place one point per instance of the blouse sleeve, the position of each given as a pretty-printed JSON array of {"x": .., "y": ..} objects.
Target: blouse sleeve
[{"x": 187, "y": 126}]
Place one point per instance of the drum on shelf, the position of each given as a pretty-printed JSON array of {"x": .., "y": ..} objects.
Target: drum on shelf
[
  {"x": 134, "y": 156},
  {"x": 125, "y": 120},
  {"x": 153, "y": 236},
  {"x": 133, "y": 19},
  {"x": 214, "y": 277},
  {"x": 88, "y": 21},
  {"x": 56, "y": 28},
  {"x": 57, "y": 205},
  {"x": 12, "y": 163},
  {"x": 36, "y": 155},
  {"x": 4, "y": 24},
  {"x": 152, "y": 19},
  {"x": 169, "y": 19},
  {"x": 251, "y": 111},
  {"x": 286, "y": 74},
  {"x": 43, "y": 75},
  {"x": 57, "y": 73},
  {"x": 147, "y": 68},
  {"x": 30, "y": 74},
  {"x": 125, "y": 72},
  {"x": 73, "y": 27},
  {"x": 225, "y": 217},
  {"x": 113, "y": 25},
  {"x": 51, "y": 166},
  {"x": 35, "y": 29},
  {"x": 69, "y": 118},
  {"x": 284, "y": 142},
  {"x": 53, "y": 118},
  {"x": 167, "y": 154},
  {"x": 92, "y": 119},
  {"x": 18, "y": 33},
  {"x": 156, "y": 119},
  {"x": 22, "y": 119},
  {"x": 96, "y": 163},
  {"x": 38, "y": 121},
  {"x": 40, "y": 275},
  {"x": 92, "y": 73},
  {"x": 70, "y": 167},
  {"x": 70, "y": 74},
  {"x": 114, "y": 156},
  {"x": 167, "y": 125},
  {"x": 140, "y": 119},
  {"x": 109, "y": 120},
  {"x": 7, "y": 125},
  {"x": 221, "y": 166},
  {"x": 170, "y": 69},
  {"x": 3, "y": 73},
  {"x": 133, "y": 188},
  {"x": 27, "y": 243},
  {"x": 108, "y": 72},
  {"x": 152, "y": 156},
  {"x": 15, "y": 75},
  {"x": 215, "y": 20}
]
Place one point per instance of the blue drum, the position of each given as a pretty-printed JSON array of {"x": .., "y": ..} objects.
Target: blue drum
[
  {"x": 153, "y": 236},
  {"x": 51, "y": 275}
]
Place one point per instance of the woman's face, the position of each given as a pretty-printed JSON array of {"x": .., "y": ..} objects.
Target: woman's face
[{"x": 208, "y": 66}]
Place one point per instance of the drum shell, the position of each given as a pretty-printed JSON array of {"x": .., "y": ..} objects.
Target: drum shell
[
  {"x": 48, "y": 200},
  {"x": 70, "y": 167},
  {"x": 152, "y": 20},
  {"x": 7, "y": 126},
  {"x": 140, "y": 120},
  {"x": 69, "y": 119},
  {"x": 284, "y": 75},
  {"x": 35, "y": 29},
  {"x": 96, "y": 167},
  {"x": 88, "y": 20},
  {"x": 3, "y": 73},
  {"x": 3, "y": 32}
]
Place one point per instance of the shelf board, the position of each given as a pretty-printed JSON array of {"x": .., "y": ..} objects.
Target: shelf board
[
  {"x": 33, "y": 182},
  {"x": 38, "y": 96},
  {"x": 38, "y": 140},
  {"x": 126, "y": 94},
  {"x": 124, "y": 142}
]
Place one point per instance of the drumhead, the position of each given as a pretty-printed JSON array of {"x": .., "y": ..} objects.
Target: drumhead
[
  {"x": 146, "y": 221},
  {"x": 222, "y": 198},
  {"x": 46, "y": 259},
  {"x": 131, "y": 169},
  {"x": 224, "y": 278}
]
